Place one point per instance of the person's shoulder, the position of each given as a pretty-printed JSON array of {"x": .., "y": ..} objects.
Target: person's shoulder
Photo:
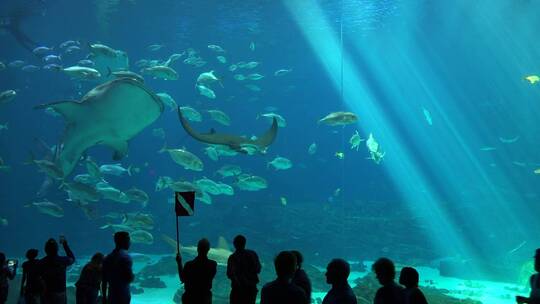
[
  {"x": 417, "y": 294},
  {"x": 122, "y": 255},
  {"x": 380, "y": 291},
  {"x": 414, "y": 295},
  {"x": 189, "y": 263},
  {"x": 397, "y": 287},
  {"x": 109, "y": 256},
  {"x": 302, "y": 273},
  {"x": 297, "y": 291},
  {"x": 269, "y": 285}
]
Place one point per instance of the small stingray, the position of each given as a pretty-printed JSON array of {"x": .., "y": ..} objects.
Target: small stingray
[
  {"x": 110, "y": 114},
  {"x": 235, "y": 142}
]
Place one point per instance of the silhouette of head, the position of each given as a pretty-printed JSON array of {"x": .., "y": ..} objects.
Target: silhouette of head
[
  {"x": 285, "y": 264},
  {"x": 203, "y": 246},
  {"x": 32, "y": 254},
  {"x": 409, "y": 277},
  {"x": 337, "y": 271},
  {"x": 97, "y": 259},
  {"x": 537, "y": 260},
  {"x": 51, "y": 247},
  {"x": 384, "y": 270},
  {"x": 122, "y": 240},
  {"x": 299, "y": 258},
  {"x": 2, "y": 259},
  {"x": 239, "y": 242}
]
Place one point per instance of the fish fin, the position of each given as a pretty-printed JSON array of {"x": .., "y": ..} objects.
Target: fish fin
[
  {"x": 69, "y": 109},
  {"x": 120, "y": 148},
  {"x": 109, "y": 72},
  {"x": 267, "y": 138},
  {"x": 31, "y": 159},
  {"x": 164, "y": 148},
  {"x": 129, "y": 170},
  {"x": 124, "y": 218},
  {"x": 222, "y": 243}
]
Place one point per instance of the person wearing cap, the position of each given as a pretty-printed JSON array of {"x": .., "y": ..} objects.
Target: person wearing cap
[{"x": 534, "y": 297}]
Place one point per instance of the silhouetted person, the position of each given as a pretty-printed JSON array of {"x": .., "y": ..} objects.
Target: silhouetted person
[
  {"x": 118, "y": 272},
  {"x": 534, "y": 297},
  {"x": 52, "y": 270},
  {"x": 89, "y": 282},
  {"x": 282, "y": 290},
  {"x": 31, "y": 285},
  {"x": 337, "y": 273},
  {"x": 412, "y": 294},
  {"x": 197, "y": 275},
  {"x": 243, "y": 268},
  {"x": 300, "y": 277},
  {"x": 7, "y": 272},
  {"x": 390, "y": 292}
]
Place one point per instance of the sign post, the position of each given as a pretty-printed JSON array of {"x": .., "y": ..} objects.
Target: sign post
[{"x": 184, "y": 205}]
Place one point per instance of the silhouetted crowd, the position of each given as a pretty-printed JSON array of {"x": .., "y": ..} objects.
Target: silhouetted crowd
[{"x": 44, "y": 280}]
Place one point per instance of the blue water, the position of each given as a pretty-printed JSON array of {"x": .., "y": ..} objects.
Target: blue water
[{"x": 435, "y": 195}]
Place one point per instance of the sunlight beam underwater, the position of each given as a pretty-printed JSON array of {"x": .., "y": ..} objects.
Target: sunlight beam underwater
[{"x": 400, "y": 165}]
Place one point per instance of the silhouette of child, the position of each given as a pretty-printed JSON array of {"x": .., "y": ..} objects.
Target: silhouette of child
[{"x": 412, "y": 294}]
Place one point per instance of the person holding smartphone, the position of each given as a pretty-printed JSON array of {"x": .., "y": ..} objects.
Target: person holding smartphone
[
  {"x": 53, "y": 271},
  {"x": 8, "y": 269},
  {"x": 534, "y": 297}
]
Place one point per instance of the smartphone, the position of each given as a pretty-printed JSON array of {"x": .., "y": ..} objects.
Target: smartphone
[
  {"x": 12, "y": 263},
  {"x": 61, "y": 239}
]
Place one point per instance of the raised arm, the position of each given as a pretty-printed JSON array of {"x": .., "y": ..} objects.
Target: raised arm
[{"x": 70, "y": 257}]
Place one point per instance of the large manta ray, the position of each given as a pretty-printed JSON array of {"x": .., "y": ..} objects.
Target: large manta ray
[
  {"x": 110, "y": 114},
  {"x": 236, "y": 143}
]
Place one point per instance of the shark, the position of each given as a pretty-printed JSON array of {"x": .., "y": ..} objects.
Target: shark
[
  {"x": 220, "y": 254},
  {"x": 110, "y": 114},
  {"x": 237, "y": 143}
]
